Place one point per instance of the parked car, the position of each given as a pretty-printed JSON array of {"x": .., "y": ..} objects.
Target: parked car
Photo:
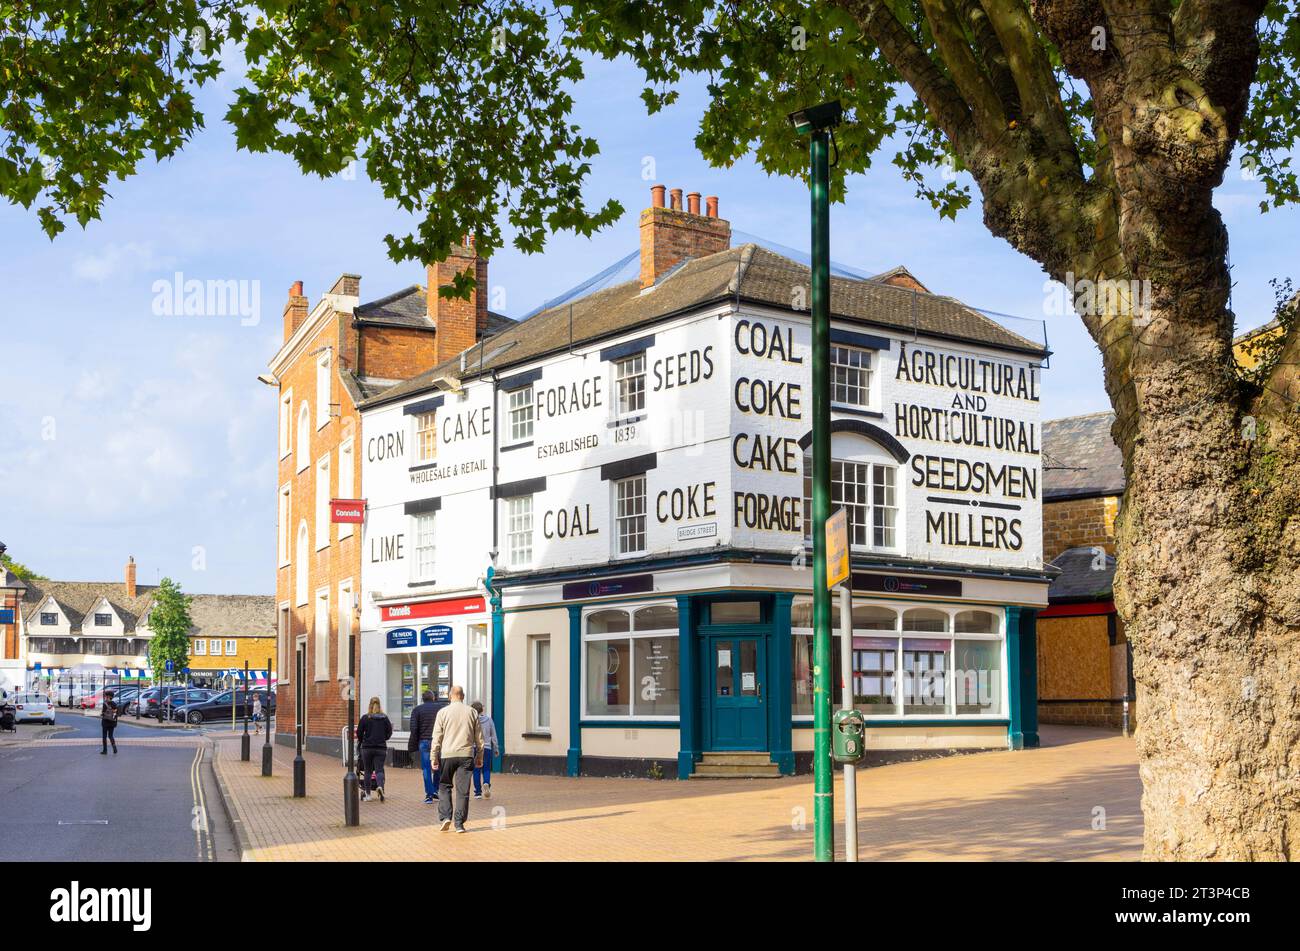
[
  {"x": 219, "y": 707},
  {"x": 155, "y": 700},
  {"x": 179, "y": 699},
  {"x": 32, "y": 707}
]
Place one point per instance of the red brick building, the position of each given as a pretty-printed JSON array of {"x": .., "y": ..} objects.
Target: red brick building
[{"x": 336, "y": 353}]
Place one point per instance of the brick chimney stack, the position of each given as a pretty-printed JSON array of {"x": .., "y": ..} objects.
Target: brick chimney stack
[
  {"x": 130, "y": 576},
  {"x": 295, "y": 310},
  {"x": 670, "y": 235},
  {"x": 458, "y": 323}
]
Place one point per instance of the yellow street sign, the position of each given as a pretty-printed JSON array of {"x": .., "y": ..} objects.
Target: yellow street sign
[{"x": 837, "y": 548}]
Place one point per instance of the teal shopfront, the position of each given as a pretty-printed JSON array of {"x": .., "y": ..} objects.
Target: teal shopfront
[{"x": 653, "y": 679}]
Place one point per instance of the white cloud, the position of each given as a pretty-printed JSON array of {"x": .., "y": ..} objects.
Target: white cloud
[{"x": 119, "y": 260}]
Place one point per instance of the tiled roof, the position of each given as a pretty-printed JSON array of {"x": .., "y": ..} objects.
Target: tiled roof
[
  {"x": 748, "y": 273},
  {"x": 1080, "y": 459},
  {"x": 76, "y": 599},
  {"x": 213, "y": 615},
  {"x": 409, "y": 308},
  {"x": 228, "y": 615},
  {"x": 1087, "y": 574}
]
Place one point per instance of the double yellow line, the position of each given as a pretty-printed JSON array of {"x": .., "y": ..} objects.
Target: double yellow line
[{"x": 202, "y": 836}]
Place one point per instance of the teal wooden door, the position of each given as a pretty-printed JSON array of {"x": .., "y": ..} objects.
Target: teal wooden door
[{"x": 737, "y": 694}]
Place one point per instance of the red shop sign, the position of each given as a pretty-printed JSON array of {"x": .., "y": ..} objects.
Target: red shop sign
[
  {"x": 348, "y": 510},
  {"x": 445, "y": 608}
]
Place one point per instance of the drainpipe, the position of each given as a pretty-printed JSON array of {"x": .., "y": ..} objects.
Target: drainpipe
[{"x": 494, "y": 593}]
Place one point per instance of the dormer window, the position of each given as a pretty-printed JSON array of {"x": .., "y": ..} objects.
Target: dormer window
[
  {"x": 103, "y": 620},
  {"x": 49, "y": 617}
]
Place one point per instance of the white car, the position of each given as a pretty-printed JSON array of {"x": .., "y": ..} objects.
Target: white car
[{"x": 32, "y": 707}]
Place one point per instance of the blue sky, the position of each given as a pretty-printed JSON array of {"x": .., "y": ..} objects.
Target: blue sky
[{"x": 131, "y": 433}]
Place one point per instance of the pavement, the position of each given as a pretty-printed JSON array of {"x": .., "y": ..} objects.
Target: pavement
[
  {"x": 63, "y": 801},
  {"x": 1076, "y": 798}
]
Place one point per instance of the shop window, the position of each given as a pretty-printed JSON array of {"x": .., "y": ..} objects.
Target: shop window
[
  {"x": 541, "y": 675},
  {"x": 925, "y": 676},
  {"x": 977, "y": 677},
  {"x": 476, "y": 683},
  {"x": 629, "y": 384},
  {"x": 632, "y": 662},
  {"x": 736, "y": 612},
  {"x": 975, "y": 622},
  {"x": 925, "y": 619},
  {"x": 850, "y": 376},
  {"x": 521, "y": 414}
]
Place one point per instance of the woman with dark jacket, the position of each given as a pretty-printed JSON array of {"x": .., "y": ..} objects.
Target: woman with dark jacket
[{"x": 373, "y": 733}]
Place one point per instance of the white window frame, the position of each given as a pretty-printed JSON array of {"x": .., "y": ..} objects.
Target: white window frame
[
  {"x": 304, "y": 437},
  {"x": 631, "y": 634},
  {"x": 950, "y": 635},
  {"x": 286, "y": 520},
  {"x": 323, "y": 502},
  {"x": 284, "y": 625},
  {"x": 320, "y": 633},
  {"x": 232, "y": 647},
  {"x": 347, "y": 481},
  {"x": 323, "y": 394},
  {"x": 630, "y": 385},
  {"x": 519, "y": 531},
  {"x": 535, "y": 724},
  {"x": 344, "y": 626},
  {"x": 872, "y": 466},
  {"x": 521, "y": 415},
  {"x": 302, "y": 552},
  {"x": 418, "y": 549},
  {"x": 847, "y": 367},
  {"x": 200, "y": 647},
  {"x": 418, "y": 421},
  {"x": 286, "y": 423},
  {"x": 214, "y": 647},
  {"x": 616, "y": 507}
]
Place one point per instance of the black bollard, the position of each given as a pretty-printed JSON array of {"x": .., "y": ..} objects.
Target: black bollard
[
  {"x": 266, "y": 715},
  {"x": 299, "y": 764}
]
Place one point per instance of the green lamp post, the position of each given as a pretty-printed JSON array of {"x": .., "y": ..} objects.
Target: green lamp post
[{"x": 817, "y": 123}]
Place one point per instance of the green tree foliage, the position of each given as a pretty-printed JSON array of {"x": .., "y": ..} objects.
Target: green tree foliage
[
  {"x": 20, "y": 570},
  {"x": 169, "y": 619}
]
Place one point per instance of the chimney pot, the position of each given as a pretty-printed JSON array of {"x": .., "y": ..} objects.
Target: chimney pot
[
  {"x": 676, "y": 198},
  {"x": 693, "y": 202},
  {"x": 296, "y": 290},
  {"x": 656, "y": 196},
  {"x": 711, "y": 206}
]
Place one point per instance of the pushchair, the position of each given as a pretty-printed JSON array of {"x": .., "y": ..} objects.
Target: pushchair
[{"x": 7, "y": 723}]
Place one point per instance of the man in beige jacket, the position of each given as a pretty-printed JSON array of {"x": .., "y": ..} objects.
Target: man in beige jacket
[{"x": 457, "y": 747}]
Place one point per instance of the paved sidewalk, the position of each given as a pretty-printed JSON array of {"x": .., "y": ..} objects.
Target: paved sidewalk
[{"x": 1033, "y": 805}]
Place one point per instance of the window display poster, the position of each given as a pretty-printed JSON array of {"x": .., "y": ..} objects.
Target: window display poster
[
  {"x": 444, "y": 691},
  {"x": 444, "y": 670}
]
